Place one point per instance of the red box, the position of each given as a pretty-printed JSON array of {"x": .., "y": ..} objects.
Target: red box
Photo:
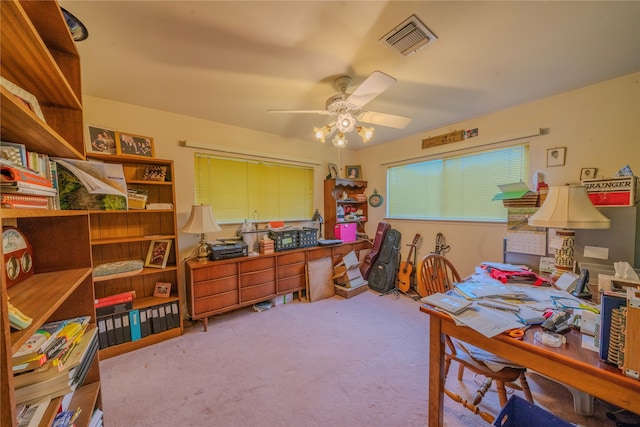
[
  {"x": 619, "y": 191},
  {"x": 346, "y": 231}
]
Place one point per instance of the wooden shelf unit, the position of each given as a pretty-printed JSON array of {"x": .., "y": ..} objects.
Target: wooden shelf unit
[
  {"x": 215, "y": 287},
  {"x": 126, "y": 235},
  {"x": 39, "y": 56},
  {"x": 333, "y": 197}
]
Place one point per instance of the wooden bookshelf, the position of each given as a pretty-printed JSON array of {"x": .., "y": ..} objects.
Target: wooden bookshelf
[
  {"x": 127, "y": 235},
  {"x": 40, "y": 56}
]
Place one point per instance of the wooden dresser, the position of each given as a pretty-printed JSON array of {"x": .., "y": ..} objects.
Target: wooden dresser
[{"x": 215, "y": 287}]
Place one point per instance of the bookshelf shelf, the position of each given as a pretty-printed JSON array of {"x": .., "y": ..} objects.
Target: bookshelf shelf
[{"x": 39, "y": 56}]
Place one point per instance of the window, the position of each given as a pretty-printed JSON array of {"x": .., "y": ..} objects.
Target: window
[
  {"x": 455, "y": 188},
  {"x": 240, "y": 189}
]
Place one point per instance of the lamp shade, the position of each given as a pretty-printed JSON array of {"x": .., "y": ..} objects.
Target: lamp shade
[
  {"x": 569, "y": 206},
  {"x": 201, "y": 220}
]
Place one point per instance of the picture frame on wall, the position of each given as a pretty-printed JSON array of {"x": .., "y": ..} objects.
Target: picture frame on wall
[
  {"x": 333, "y": 171},
  {"x": 588, "y": 173},
  {"x": 353, "y": 172},
  {"x": 556, "y": 156},
  {"x": 158, "y": 253},
  {"x": 128, "y": 144},
  {"x": 102, "y": 140}
]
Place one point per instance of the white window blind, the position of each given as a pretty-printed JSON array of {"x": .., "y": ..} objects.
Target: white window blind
[
  {"x": 457, "y": 187},
  {"x": 239, "y": 189}
]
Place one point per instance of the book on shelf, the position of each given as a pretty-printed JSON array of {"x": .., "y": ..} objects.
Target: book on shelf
[
  {"x": 91, "y": 185},
  {"x": 30, "y": 414},
  {"x": 14, "y": 153},
  {"x": 28, "y": 201},
  {"x": 27, "y": 188},
  {"x": 115, "y": 298},
  {"x": 63, "y": 367},
  {"x": 60, "y": 382}
]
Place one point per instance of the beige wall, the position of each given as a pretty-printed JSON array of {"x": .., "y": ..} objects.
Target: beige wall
[{"x": 599, "y": 125}]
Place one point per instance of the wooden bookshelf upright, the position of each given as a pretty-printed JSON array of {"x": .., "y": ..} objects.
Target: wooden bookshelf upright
[
  {"x": 40, "y": 56},
  {"x": 127, "y": 234}
]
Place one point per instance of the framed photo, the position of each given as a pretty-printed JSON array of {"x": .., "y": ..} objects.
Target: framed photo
[
  {"x": 158, "y": 253},
  {"x": 333, "y": 171},
  {"x": 134, "y": 145},
  {"x": 588, "y": 173},
  {"x": 555, "y": 156},
  {"x": 155, "y": 173},
  {"x": 353, "y": 172},
  {"x": 101, "y": 140},
  {"x": 162, "y": 290}
]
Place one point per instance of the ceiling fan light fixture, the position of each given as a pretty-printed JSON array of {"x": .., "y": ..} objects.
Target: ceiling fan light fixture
[
  {"x": 340, "y": 140},
  {"x": 345, "y": 122},
  {"x": 365, "y": 133}
]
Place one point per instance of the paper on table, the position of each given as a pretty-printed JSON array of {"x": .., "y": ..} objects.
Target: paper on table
[{"x": 487, "y": 321}]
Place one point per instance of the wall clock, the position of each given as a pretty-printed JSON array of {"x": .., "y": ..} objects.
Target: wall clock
[
  {"x": 375, "y": 199},
  {"x": 18, "y": 255}
]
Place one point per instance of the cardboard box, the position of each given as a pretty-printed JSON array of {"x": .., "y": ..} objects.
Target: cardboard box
[
  {"x": 350, "y": 292},
  {"x": 347, "y": 272},
  {"x": 346, "y": 231},
  {"x": 621, "y": 191}
]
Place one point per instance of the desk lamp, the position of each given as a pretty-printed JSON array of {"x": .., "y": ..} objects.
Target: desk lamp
[
  {"x": 318, "y": 218},
  {"x": 201, "y": 222},
  {"x": 567, "y": 207}
]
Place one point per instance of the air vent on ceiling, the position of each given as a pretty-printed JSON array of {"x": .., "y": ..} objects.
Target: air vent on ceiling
[{"x": 408, "y": 37}]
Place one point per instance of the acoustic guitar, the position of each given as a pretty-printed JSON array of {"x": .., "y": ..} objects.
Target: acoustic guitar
[{"x": 406, "y": 268}]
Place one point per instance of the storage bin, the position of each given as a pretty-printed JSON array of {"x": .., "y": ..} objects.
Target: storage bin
[
  {"x": 520, "y": 413},
  {"x": 346, "y": 231}
]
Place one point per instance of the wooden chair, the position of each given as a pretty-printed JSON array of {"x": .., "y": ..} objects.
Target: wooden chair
[{"x": 438, "y": 274}]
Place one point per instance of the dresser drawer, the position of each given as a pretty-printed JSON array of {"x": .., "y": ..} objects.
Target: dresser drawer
[
  {"x": 251, "y": 279},
  {"x": 318, "y": 253},
  {"x": 258, "y": 264},
  {"x": 290, "y": 270},
  {"x": 214, "y": 272},
  {"x": 292, "y": 283},
  {"x": 292, "y": 258},
  {"x": 213, "y": 287},
  {"x": 213, "y": 303},
  {"x": 262, "y": 291}
]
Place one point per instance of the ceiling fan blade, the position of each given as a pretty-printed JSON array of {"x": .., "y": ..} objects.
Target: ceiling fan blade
[
  {"x": 324, "y": 112},
  {"x": 373, "y": 86},
  {"x": 384, "y": 119}
]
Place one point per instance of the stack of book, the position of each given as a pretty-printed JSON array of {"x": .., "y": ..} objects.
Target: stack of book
[
  {"x": 23, "y": 187},
  {"x": 68, "y": 353}
]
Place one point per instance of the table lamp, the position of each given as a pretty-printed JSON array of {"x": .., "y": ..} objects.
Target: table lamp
[
  {"x": 567, "y": 207},
  {"x": 318, "y": 218},
  {"x": 201, "y": 221}
]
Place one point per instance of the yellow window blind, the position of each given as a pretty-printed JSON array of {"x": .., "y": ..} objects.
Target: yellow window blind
[{"x": 239, "y": 189}]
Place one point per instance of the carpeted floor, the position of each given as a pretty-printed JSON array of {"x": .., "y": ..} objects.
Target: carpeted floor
[{"x": 335, "y": 362}]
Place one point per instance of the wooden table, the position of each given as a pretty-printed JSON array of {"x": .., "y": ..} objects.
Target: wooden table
[{"x": 569, "y": 364}]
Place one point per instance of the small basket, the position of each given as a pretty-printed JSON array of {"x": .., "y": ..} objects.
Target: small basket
[
  {"x": 307, "y": 237},
  {"x": 284, "y": 239},
  {"x": 518, "y": 412}
]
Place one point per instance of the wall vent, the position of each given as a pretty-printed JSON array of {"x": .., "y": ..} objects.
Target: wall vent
[{"x": 409, "y": 37}]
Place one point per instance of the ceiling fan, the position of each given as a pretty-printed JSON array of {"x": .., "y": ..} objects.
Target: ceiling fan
[{"x": 346, "y": 109}]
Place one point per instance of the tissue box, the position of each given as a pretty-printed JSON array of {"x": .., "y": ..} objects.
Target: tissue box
[{"x": 621, "y": 191}]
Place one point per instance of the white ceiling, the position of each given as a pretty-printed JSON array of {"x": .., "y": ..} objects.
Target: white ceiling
[{"x": 231, "y": 61}]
